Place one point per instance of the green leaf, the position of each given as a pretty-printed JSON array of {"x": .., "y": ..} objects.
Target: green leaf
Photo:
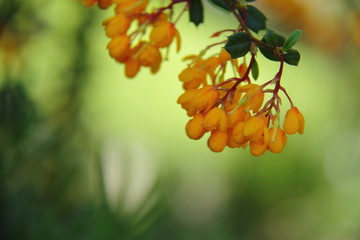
[
  {"x": 250, "y": 0},
  {"x": 292, "y": 57},
  {"x": 238, "y": 45},
  {"x": 255, "y": 70},
  {"x": 293, "y": 38},
  {"x": 273, "y": 39},
  {"x": 268, "y": 53},
  {"x": 196, "y": 12},
  {"x": 254, "y": 18},
  {"x": 222, "y": 3}
]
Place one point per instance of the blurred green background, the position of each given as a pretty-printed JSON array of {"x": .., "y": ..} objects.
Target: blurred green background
[{"x": 87, "y": 154}]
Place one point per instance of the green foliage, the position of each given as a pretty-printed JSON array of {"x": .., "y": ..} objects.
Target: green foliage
[
  {"x": 293, "y": 38},
  {"x": 268, "y": 53},
  {"x": 255, "y": 70},
  {"x": 222, "y": 3},
  {"x": 238, "y": 45},
  {"x": 254, "y": 18},
  {"x": 196, "y": 12},
  {"x": 292, "y": 57},
  {"x": 273, "y": 39}
]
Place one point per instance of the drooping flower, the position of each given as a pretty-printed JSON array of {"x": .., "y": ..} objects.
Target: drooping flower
[
  {"x": 217, "y": 140},
  {"x": 119, "y": 47},
  {"x": 278, "y": 140},
  {"x": 194, "y": 128},
  {"x": 294, "y": 121}
]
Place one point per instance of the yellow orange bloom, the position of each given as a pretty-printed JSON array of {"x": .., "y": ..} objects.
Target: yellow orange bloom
[
  {"x": 117, "y": 25},
  {"x": 149, "y": 55},
  {"x": 238, "y": 133},
  {"x": 119, "y": 47},
  {"x": 217, "y": 140},
  {"x": 294, "y": 121},
  {"x": 130, "y": 6},
  {"x": 253, "y": 98},
  {"x": 132, "y": 67},
  {"x": 224, "y": 56},
  {"x": 277, "y": 141},
  {"x": 253, "y": 127},
  {"x": 185, "y": 98},
  {"x": 162, "y": 34},
  {"x": 215, "y": 118},
  {"x": 203, "y": 100},
  {"x": 192, "y": 77},
  {"x": 259, "y": 146},
  {"x": 194, "y": 128}
]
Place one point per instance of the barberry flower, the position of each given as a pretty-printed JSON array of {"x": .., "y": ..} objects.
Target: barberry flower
[
  {"x": 259, "y": 146},
  {"x": 294, "y": 121},
  {"x": 278, "y": 140},
  {"x": 119, "y": 47},
  {"x": 117, "y": 25},
  {"x": 192, "y": 77},
  {"x": 194, "y": 128},
  {"x": 215, "y": 118},
  {"x": 217, "y": 140},
  {"x": 162, "y": 34}
]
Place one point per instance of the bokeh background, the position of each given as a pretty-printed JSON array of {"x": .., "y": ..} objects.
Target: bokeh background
[{"x": 87, "y": 154}]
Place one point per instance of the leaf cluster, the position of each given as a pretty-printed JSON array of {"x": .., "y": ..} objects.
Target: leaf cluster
[{"x": 272, "y": 45}]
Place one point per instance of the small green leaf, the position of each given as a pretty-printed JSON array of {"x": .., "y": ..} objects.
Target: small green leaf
[
  {"x": 293, "y": 38},
  {"x": 254, "y": 18},
  {"x": 222, "y": 3},
  {"x": 292, "y": 57},
  {"x": 255, "y": 70},
  {"x": 238, "y": 45},
  {"x": 273, "y": 39},
  {"x": 196, "y": 12},
  {"x": 268, "y": 53}
]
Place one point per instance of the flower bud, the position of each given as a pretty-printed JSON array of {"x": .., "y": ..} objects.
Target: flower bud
[
  {"x": 194, "y": 128},
  {"x": 217, "y": 140}
]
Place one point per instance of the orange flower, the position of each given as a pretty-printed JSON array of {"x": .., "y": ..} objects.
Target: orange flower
[
  {"x": 130, "y": 6},
  {"x": 259, "y": 146},
  {"x": 185, "y": 98},
  {"x": 162, "y": 34},
  {"x": 149, "y": 55},
  {"x": 253, "y": 98},
  {"x": 224, "y": 56},
  {"x": 119, "y": 47},
  {"x": 203, "y": 100},
  {"x": 215, "y": 118},
  {"x": 278, "y": 140},
  {"x": 294, "y": 121},
  {"x": 217, "y": 140},
  {"x": 132, "y": 67},
  {"x": 194, "y": 128},
  {"x": 238, "y": 133},
  {"x": 253, "y": 128},
  {"x": 116, "y": 25},
  {"x": 192, "y": 77}
]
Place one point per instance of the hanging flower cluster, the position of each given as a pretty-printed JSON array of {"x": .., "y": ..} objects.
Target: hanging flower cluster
[
  {"x": 233, "y": 110},
  {"x": 236, "y": 111},
  {"x": 131, "y": 43}
]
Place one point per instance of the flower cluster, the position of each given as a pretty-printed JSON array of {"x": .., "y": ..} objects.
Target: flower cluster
[
  {"x": 130, "y": 42},
  {"x": 234, "y": 111}
]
